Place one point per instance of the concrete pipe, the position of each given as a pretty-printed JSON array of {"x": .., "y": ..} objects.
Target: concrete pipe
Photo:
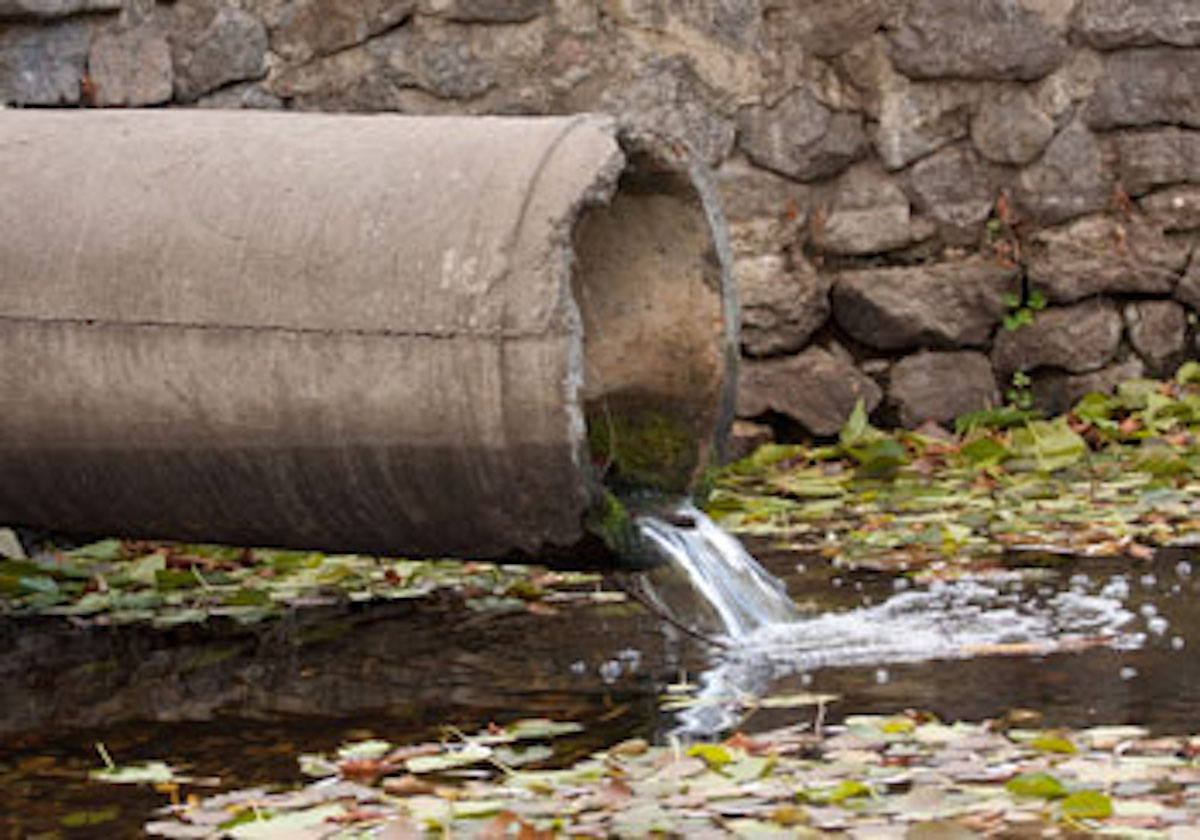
[{"x": 386, "y": 334}]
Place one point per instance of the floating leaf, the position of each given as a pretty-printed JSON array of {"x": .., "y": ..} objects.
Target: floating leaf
[
  {"x": 714, "y": 755},
  {"x": 1041, "y": 785},
  {"x": 1053, "y": 744},
  {"x": 150, "y": 773},
  {"x": 1086, "y": 805},
  {"x": 534, "y": 728},
  {"x": 468, "y": 755}
]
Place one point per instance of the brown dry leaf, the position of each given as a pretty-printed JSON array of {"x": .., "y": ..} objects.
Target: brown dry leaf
[
  {"x": 407, "y": 785},
  {"x": 403, "y": 754},
  {"x": 400, "y": 828}
]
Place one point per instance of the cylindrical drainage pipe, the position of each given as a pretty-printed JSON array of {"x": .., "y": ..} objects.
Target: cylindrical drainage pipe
[{"x": 425, "y": 336}]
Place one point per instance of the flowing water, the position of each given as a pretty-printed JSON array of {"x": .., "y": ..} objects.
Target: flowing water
[{"x": 707, "y": 574}]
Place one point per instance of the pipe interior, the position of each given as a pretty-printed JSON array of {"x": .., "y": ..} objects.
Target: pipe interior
[{"x": 649, "y": 288}]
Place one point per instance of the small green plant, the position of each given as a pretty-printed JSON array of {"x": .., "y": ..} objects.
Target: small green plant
[
  {"x": 1022, "y": 308},
  {"x": 1020, "y": 395}
]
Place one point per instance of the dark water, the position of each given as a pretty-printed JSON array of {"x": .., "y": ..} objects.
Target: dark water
[{"x": 239, "y": 703}]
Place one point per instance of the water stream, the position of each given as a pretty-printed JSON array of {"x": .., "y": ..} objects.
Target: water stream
[{"x": 709, "y": 582}]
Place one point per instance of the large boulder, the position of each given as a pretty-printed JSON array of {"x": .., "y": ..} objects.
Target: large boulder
[
  {"x": 1071, "y": 179},
  {"x": 976, "y": 39},
  {"x": 941, "y": 386},
  {"x": 1146, "y": 87},
  {"x": 1099, "y": 254},
  {"x": 782, "y": 304},
  {"x": 801, "y": 138},
  {"x": 1157, "y": 157},
  {"x": 1076, "y": 339},
  {"x": 817, "y": 389},
  {"x": 943, "y": 306},
  {"x": 1112, "y": 24}
]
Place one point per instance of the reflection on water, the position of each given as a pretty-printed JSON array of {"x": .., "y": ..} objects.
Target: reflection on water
[{"x": 191, "y": 695}]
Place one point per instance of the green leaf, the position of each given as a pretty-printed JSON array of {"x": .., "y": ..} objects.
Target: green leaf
[
  {"x": 1005, "y": 417},
  {"x": 536, "y": 728},
  {"x": 1051, "y": 444},
  {"x": 246, "y": 597},
  {"x": 1188, "y": 373},
  {"x": 150, "y": 773},
  {"x": 1086, "y": 805},
  {"x": 1041, "y": 785},
  {"x": 107, "y": 551},
  {"x": 82, "y": 819},
  {"x": 849, "y": 789},
  {"x": 858, "y": 427},
  {"x": 1053, "y": 744},
  {"x": 879, "y": 458},
  {"x": 983, "y": 452}
]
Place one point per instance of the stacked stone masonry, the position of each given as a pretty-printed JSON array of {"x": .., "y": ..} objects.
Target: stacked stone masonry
[{"x": 900, "y": 176}]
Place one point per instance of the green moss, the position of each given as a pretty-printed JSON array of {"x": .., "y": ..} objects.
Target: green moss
[
  {"x": 610, "y": 520},
  {"x": 642, "y": 450}
]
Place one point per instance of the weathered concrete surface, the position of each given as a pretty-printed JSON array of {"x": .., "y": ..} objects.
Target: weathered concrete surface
[{"x": 355, "y": 333}]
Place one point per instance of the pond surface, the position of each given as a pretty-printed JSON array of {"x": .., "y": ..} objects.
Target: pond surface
[{"x": 1080, "y": 641}]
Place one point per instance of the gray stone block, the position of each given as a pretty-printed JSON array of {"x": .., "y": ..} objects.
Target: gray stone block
[
  {"x": 1112, "y": 24},
  {"x": 782, "y": 304},
  {"x": 943, "y": 306},
  {"x": 1144, "y": 87},
  {"x": 941, "y": 386},
  {"x": 815, "y": 388},
  {"x": 1076, "y": 339},
  {"x": 976, "y": 39}
]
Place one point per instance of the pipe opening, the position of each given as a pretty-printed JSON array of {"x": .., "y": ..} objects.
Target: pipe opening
[{"x": 650, "y": 288}]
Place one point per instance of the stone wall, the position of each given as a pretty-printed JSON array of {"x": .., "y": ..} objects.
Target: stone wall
[{"x": 903, "y": 177}]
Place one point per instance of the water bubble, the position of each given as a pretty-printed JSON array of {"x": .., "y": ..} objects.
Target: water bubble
[
  {"x": 631, "y": 657},
  {"x": 1176, "y": 589},
  {"x": 882, "y": 676},
  {"x": 900, "y": 584},
  {"x": 837, "y": 581},
  {"x": 1117, "y": 587},
  {"x": 1128, "y": 673},
  {"x": 1148, "y": 610},
  {"x": 806, "y": 679},
  {"x": 858, "y": 586},
  {"x": 578, "y": 667},
  {"x": 1183, "y": 568},
  {"x": 1157, "y": 625},
  {"x": 1080, "y": 580},
  {"x": 801, "y": 568},
  {"x": 1147, "y": 580},
  {"x": 609, "y": 671},
  {"x": 1177, "y": 643}
]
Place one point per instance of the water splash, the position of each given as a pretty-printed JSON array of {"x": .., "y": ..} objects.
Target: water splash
[
  {"x": 710, "y": 583},
  {"x": 708, "y": 580}
]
